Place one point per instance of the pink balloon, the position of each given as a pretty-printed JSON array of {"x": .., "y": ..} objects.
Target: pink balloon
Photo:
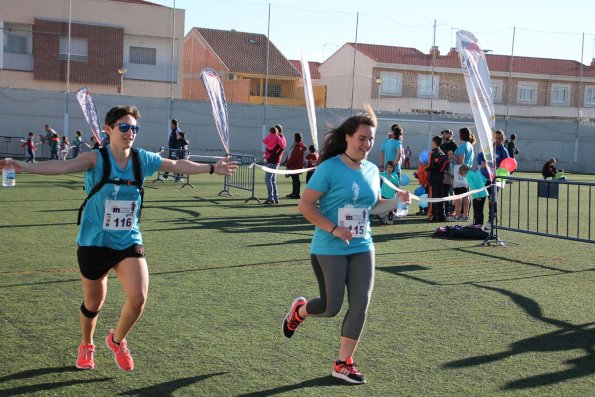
[{"x": 509, "y": 163}]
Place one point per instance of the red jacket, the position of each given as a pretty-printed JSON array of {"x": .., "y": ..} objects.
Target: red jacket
[
  {"x": 296, "y": 157},
  {"x": 275, "y": 145}
]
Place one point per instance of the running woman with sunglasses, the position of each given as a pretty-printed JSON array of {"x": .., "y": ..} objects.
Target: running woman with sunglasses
[
  {"x": 342, "y": 252},
  {"x": 105, "y": 244}
]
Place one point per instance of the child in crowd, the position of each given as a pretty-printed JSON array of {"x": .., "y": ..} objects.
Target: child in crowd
[
  {"x": 476, "y": 181},
  {"x": 387, "y": 192},
  {"x": 29, "y": 145},
  {"x": 311, "y": 160},
  {"x": 549, "y": 169},
  {"x": 64, "y": 148},
  {"x": 436, "y": 169},
  {"x": 422, "y": 178},
  {"x": 54, "y": 147}
]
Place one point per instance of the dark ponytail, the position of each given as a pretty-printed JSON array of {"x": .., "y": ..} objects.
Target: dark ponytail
[{"x": 334, "y": 140}]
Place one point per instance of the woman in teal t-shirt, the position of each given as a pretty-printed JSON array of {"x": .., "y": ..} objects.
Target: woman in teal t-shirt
[
  {"x": 109, "y": 236},
  {"x": 342, "y": 252},
  {"x": 463, "y": 155}
]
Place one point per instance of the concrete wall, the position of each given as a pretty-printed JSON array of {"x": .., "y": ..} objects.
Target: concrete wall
[{"x": 22, "y": 111}]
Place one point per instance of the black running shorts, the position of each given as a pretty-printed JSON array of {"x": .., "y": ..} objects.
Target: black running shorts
[{"x": 94, "y": 261}]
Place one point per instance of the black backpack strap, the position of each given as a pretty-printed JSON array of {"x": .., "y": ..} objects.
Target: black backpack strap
[
  {"x": 138, "y": 178},
  {"x": 107, "y": 169}
]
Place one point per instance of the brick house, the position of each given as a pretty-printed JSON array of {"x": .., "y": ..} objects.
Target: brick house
[{"x": 240, "y": 58}]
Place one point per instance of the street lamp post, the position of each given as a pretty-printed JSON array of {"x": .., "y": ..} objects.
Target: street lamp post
[
  {"x": 378, "y": 80},
  {"x": 122, "y": 71}
]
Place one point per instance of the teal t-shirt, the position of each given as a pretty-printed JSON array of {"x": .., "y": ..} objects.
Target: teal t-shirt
[
  {"x": 476, "y": 181},
  {"x": 389, "y": 148},
  {"x": 467, "y": 149},
  {"x": 91, "y": 232},
  {"x": 385, "y": 191},
  {"x": 342, "y": 187}
]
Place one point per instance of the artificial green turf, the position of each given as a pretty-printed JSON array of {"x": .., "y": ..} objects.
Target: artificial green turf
[{"x": 447, "y": 317}]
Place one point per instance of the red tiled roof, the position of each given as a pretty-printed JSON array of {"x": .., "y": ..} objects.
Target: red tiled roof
[
  {"x": 247, "y": 52},
  {"x": 139, "y": 2},
  {"x": 496, "y": 63},
  {"x": 314, "y": 72}
]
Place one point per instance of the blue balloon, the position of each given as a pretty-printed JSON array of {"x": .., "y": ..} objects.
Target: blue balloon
[
  {"x": 422, "y": 203},
  {"x": 404, "y": 180},
  {"x": 419, "y": 191},
  {"x": 424, "y": 156}
]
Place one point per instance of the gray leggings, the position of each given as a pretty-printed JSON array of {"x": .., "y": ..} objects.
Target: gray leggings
[{"x": 333, "y": 273}]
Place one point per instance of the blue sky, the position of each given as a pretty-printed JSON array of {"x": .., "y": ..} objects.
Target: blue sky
[{"x": 317, "y": 28}]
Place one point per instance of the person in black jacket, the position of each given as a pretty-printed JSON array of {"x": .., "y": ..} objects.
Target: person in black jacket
[
  {"x": 511, "y": 146},
  {"x": 436, "y": 167},
  {"x": 448, "y": 145},
  {"x": 172, "y": 143}
]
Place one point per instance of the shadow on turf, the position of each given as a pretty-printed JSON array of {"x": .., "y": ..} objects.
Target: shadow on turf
[
  {"x": 31, "y": 373},
  {"x": 167, "y": 389},
  {"x": 316, "y": 382},
  {"x": 245, "y": 224},
  {"x": 567, "y": 337}
]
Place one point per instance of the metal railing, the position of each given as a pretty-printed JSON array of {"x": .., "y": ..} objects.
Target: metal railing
[
  {"x": 243, "y": 178},
  {"x": 11, "y": 146},
  {"x": 552, "y": 208}
]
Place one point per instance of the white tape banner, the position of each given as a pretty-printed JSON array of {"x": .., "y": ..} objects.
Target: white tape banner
[
  {"x": 281, "y": 172},
  {"x": 431, "y": 200}
]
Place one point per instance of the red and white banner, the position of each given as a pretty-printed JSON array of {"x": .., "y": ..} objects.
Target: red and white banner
[
  {"x": 479, "y": 88},
  {"x": 90, "y": 111},
  {"x": 214, "y": 87}
]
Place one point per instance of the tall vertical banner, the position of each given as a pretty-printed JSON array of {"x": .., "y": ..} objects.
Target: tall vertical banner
[
  {"x": 479, "y": 88},
  {"x": 309, "y": 96},
  {"x": 90, "y": 111},
  {"x": 214, "y": 88}
]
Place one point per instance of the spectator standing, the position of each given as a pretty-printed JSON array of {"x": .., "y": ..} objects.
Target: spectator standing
[
  {"x": 54, "y": 146},
  {"x": 448, "y": 145},
  {"x": 407, "y": 157},
  {"x": 30, "y": 147},
  {"x": 386, "y": 192},
  {"x": 49, "y": 133},
  {"x": 93, "y": 144},
  {"x": 500, "y": 153},
  {"x": 511, "y": 146},
  {"x": 295, "y": 161},
  {"x": 64, "y": 147},
  {"x": 77, "y": 144},
  {"x": 436, "y": 168},
  {"x": 274, "y": 147},
  {"x": 463, "y": 155},
  {"x": 392, "y": 149},
  {"x": 182, "y": 151},
  {"x": 311, "y": 159},
  {"x": 476, "y": 181},
  {"x": 172, "y": 143}
]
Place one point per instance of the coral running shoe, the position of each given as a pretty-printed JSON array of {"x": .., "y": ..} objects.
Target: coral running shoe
[
  {"x": 122, "y": 355},
  {"x": 292, "y": 320},
  {"x": 85, "y": 359},
  {"x": 347, "y": 371}
]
